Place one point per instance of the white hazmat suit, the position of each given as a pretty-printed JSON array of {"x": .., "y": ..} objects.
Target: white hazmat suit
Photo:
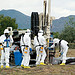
[
  {"x": 40, "y": 44},
  {"x": 22, "y": 48},
  {"x": 5, "y": 52},
  {"x": 63, "y": 48},
  {"x": 26, "y": 49}
]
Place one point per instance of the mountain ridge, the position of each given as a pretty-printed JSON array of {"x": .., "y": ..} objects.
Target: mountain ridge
[{"x": 24, "y": 21}]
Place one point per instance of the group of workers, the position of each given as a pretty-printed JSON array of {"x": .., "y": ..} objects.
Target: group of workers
[
  {"x": 39, "y": 44},
  {"x": 25, "y": 44}
]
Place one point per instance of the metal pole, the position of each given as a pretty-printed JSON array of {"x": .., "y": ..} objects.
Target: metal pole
[
  {"x": 49, "y": 15},
  {"x": 44, "y": 14},
  {"x": 41, "y": 21},
  {"x": 48, "y": 28}
]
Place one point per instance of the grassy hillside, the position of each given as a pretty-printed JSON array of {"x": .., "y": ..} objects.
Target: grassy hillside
[
  {"x": 58, "y": 24},
  {"x": 22, "y": 20}
]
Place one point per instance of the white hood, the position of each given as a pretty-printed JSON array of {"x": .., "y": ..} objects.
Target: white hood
[
  {"x": 55, "y": 41},
  {"x": 6, "y": 31},
  {"x": 40, "y": 34}
]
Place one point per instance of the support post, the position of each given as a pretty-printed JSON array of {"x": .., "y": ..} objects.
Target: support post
[{"x": 48, "y": 29}]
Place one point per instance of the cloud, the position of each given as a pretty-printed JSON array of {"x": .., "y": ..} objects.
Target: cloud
[
  {"x": 59, "y": 8},
  {"x": 62, "y": 12},
  {"x": 24, "y": 6},
  {"x": 63, "y": 8}
]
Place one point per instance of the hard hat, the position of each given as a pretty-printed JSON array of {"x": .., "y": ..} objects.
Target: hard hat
[
  {"x": 27, "y": 31},
  {"x": 6, "y": 31},
  {"x": 40, "y": 31}
]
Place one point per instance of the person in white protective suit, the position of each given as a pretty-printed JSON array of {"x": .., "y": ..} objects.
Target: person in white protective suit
[
  {"x": 26, "y": 49},
  {"x": 40, "y": 44},
  {"x": 6, "y": 42},
  {"x": 22, "y": 48},
  {"x": 63, "y": 45}
]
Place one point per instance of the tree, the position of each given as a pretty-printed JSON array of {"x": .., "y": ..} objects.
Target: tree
[
  {"x": 68, "y": 33},
  {"x": 56, "y": 34},
  {"x": 7, "y": 22}
]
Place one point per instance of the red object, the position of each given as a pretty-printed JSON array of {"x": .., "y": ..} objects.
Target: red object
[{"x": 16, "y": 48}]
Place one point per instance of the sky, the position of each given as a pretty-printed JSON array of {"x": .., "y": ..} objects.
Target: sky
[{"x": 59, "y": 8}]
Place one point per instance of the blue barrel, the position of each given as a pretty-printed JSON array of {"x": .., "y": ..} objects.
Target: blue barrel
[{"x": 18, "y": 57}]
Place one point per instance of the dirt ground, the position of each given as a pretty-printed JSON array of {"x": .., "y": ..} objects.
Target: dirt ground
[
  {"x": 71, "y": 53},
  {"x": 43, "y": 70}
]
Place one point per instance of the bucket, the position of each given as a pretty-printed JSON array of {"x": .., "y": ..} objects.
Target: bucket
[{"x": 18, "y": 57}]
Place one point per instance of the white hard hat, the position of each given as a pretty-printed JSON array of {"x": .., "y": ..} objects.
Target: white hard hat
[
  {"x": 6, "y": 31},
  {"x": 40, "y": 31},
  {"x": 27, "y": 31}
]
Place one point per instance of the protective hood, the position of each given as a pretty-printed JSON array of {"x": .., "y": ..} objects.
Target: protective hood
[
  {"x": 6, "y": 31},
  {"x": 40, "y": 33},
  {"x": 28, "y": 32},
  {"x": 55, "y": 42}
]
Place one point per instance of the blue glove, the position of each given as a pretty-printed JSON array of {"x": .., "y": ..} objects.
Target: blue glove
[
  {"x": 61, "y": 53},
  {"x": 30, "y": 49},
  {"x": 49, "y": 48}
]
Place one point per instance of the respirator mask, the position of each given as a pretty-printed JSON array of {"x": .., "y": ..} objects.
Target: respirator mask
[{"x": 7, "y": 35}]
